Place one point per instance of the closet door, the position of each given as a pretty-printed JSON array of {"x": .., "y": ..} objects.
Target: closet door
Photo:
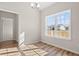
[{"x": 7, "y": 28}]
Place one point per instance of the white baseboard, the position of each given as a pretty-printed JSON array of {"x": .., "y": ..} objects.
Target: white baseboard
[{"x": 5, "y": 40}]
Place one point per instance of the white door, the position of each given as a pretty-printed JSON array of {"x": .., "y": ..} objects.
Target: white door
[{"x": 7, "y": 28}]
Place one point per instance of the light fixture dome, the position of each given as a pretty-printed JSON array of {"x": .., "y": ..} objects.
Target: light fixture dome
[{"x": 35, "y": 5}]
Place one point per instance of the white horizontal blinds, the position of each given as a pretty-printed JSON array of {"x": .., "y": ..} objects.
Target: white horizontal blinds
[{"x": 58, "y": 25}]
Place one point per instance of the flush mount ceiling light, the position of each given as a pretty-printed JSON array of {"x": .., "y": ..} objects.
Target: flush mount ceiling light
[{"x": 35, "y": 5}]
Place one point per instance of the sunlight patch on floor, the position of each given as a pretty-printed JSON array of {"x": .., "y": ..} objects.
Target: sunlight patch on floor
[{"x": 29, "y": 53}]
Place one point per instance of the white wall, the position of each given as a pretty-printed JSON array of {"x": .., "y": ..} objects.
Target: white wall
[
  {"x": 73, "y": 44},
  {"x": 1, "y": 29},
  {"x": 29, "y": 23},
  {"x": 28, "y": 19}
]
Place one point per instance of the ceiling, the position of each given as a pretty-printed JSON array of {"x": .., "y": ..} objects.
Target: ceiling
[
  {"x": 25, "y": 4},
  {"x": 45, "y": 4}
]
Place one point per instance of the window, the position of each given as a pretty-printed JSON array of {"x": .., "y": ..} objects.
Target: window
[
  {"x": 50, "y": 25},
  {"x": 58, "y": 25}
]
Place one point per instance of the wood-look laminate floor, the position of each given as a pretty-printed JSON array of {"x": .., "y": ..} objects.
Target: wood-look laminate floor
[{"x": 10, "y": 48}]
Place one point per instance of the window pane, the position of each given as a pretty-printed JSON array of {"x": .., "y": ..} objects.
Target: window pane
[
  {"x": 63, "y": 24},
  {"x": 50, "y": 25}
]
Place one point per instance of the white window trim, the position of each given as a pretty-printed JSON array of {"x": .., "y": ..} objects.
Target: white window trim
[{"x": 68, "y": 10}]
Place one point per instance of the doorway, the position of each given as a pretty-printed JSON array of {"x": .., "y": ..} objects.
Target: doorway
[
  {"x": 8, "y": 26},
  {"x": 7, "y": 29}
]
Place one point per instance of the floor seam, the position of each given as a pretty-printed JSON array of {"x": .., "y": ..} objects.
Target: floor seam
[
  {"x": 34, "y": 51},
  {"x": 20, "y": 51}
]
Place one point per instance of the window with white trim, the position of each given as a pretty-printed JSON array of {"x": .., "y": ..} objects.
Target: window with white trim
[{"x": 59, "y": 25}]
